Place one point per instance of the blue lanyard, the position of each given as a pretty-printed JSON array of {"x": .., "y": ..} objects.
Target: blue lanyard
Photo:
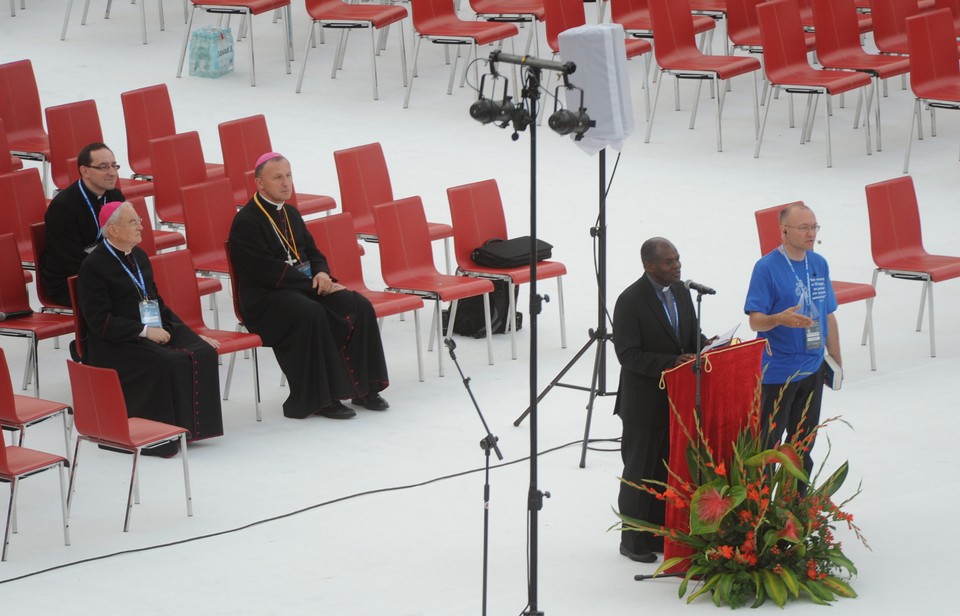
[
  {"x": 806, "y": 266},
  {"x": 96, "y": 221},
  {"x": 140, "y": 284}
]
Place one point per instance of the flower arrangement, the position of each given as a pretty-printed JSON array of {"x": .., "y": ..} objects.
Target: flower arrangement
[{"x": 759, "y": 527}]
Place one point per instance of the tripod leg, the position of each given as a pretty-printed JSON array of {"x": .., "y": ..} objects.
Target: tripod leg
[
  {"x": 593, "y": 397},
  {"x": 556, "y": 379}
]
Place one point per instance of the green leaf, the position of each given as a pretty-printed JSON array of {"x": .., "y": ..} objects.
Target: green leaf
[
  {"x": 820, "y": 590},
  {"x": 711, "y": 503},
  {"x": 758, "y": 588},
  {"x": 672, "y": 562},
  {"x": 839, "y": 587},
  {"x": 775, "y": 587},
  {"x": 770, "y": 456},
  {"x": 836, "y": 557},
  {"x": 708, "y": 585},
  {"x": 724, "y": 588},
  {"x": 691, "y": 572},
  {"x": 831, "y": 485},
  {"x": 813, "y": 596},
  {"x": 791, "y": 582}
]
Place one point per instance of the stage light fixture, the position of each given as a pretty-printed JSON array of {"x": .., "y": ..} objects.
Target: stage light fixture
[{"x": 565, "y": 121}]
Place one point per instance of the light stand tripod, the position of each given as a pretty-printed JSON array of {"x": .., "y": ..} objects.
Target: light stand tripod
[
  {"x": 487, "y": 443},
  {"x": 600, "y": 335},
  {"x": 504, "y": 113}
]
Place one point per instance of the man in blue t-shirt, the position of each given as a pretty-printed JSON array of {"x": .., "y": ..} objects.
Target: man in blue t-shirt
[{"x": 791, "y": 303}]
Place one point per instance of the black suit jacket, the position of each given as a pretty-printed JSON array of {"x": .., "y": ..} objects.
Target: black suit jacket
[{"x": 646, "y": 345}]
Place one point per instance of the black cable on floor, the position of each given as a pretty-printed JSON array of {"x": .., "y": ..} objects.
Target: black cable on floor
[{"x": 296, "y": 512}]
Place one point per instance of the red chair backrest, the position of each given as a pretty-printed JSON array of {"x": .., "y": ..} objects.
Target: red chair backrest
[
  {"x": 837, "y": 28},
  {"x": 209, "y": 209},
  {"x": 242, "y": 142},
  {"x": 741, "y": 18},
  {"x": 176, "y": 282},
  {"x": 99, "y": 410},
  {"x": 79, "y": 323},
  {"x": 24, "y": 204},
  {"x": 8, "y": 407},
  {"x": 8, "y": 163},
  {"x": 427, "y": 14},
  {"x": 894, "y": 221},
  {"x": 147, "y": 242},
  {"x": 562, "y": 15},
  {"x": 147, "y": 115},
  {"x": 13, "y": 289},
  {"x": 334, "y": 237},
  {"x": 405, "y": 250},
  {"x": 768, "y": 227},
  {"x": 364, "y": 181},
  {"x": 72, "y": 127},
  {"x": 621, "y": 10},
  {"x": 782, "y": 35},
  {"x": 177, "y": 161},
  {"x": 234, "y": 288},
  {"x": 477, "y": 215},
  {"x": 20, "y": 102},
  {"x": 890, "y": 21},
  {"x": 673, "y": 36},
  {"x": 933, "y": 50}
]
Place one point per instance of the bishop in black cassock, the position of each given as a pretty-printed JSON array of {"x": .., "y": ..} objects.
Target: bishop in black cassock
[
  {"x": 167, "y": 374},
  {"x": 325, "y": 337}
]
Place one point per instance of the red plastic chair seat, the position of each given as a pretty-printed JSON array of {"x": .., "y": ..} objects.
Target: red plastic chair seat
[
  {"x": 29, "y": 409},
  {"x": 255, "y": 6},
  {"x": 483, "y": 33},
  {"x": 847, "y": 292},
  {"x": 43, "y": 324},
  {"x": 378, "y": 15},
  {"x": 639, "y": 20},
  {"x": 21, "y": 461},
  {"x": 509, "y": 7}
]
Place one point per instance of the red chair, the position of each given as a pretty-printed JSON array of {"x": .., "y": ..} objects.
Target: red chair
[
  {"x": 890, "y": 24},
  {"x": 334, "y": 237},
  {"x": 38, "y": 239},
  {"x": 512, "y": 11},
  {"x": 148, "y": 115},
  {"x": 246, "y": 8},
  {"x": 177, "y": 161},
  {"x": 72, "y": 127},
  {"x": 437, "y": 21},
  {"x": 768, "y": 229},
  {"x": 34, "y": 326},
  {"x": 676, "y": 51},
  {"x": 345, "y": 17},
  {"x": 634, "y": 16},
  {"x": 8, "y": 163},
  {"x": 954, "y": 7},
  {"x": 21, "y": 112},
  {"x": 897, "y": 243},
  {"x": 743, "y": 27},
  {"x": 934, "y": 70},
  {"x": 173, "y": 272},
  {"x": 785, "y": 63},
  {"x": 242, "y": 142},
  {"x": 24, "y": 204},
  {"x": 406, "y": 262},
  {"x": 16, "y": 463},
  {"x": 477, "y": 214},
  {"x": 100, "y": 415},
  {"x": 365, "y": 183},
  {"x": 561, "y": 15},
  {"x": 20, "y": 412},
  {"x": 839, "y": 47}
]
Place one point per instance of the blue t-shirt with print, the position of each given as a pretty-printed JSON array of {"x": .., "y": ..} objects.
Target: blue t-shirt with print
[{"x": 776, "y": 286}]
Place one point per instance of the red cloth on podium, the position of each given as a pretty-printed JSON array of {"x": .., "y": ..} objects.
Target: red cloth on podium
[{"x": 727, "y": 390}]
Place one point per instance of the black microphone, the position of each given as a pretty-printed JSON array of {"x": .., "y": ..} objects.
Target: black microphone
[
  {"x": 450, "y": 344},
  {"x": 699, "y": 288},
  {"x": 15, "y": 314}
]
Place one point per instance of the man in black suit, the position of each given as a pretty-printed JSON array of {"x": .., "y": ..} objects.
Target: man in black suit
[{"x": 654, "y": 329}]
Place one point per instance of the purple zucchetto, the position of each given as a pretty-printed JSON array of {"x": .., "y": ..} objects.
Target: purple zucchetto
[{"x": 107, "y": 211}]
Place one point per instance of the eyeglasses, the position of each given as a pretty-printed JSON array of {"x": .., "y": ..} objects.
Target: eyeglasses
[
  {"x": 104, "y": 167},
  {"x": 805, "y": 228},
  {"x": 133, "y": 222}
]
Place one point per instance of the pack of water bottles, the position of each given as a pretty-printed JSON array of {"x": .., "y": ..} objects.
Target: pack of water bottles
[{"x": 211, "y": 52}]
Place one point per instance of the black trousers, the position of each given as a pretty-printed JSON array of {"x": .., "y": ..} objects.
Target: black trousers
[
  {"x": 798, "y": 411},
  {"x": 645, "y": 450}
]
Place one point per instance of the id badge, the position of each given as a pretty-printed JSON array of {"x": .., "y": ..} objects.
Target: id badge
[
  {"x": 814, "y": 338},
  {"x": 304, "y": 268},
  {"x": 150, "y": 313},
  {"x": 90, "y": 248}
]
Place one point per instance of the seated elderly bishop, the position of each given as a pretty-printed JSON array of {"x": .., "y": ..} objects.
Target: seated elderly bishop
[{"x": 167, "y": 372}]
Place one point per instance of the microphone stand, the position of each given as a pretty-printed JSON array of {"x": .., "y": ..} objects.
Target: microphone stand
[{"x": 487, "y": 443}]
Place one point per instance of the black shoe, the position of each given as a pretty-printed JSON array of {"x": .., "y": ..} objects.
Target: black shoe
[
  {"x": 167, "y": 450},
  {"x": 337, "y": 410},
  {"x": 374, "y": 402},
  {"x": 642, "y": 556}
]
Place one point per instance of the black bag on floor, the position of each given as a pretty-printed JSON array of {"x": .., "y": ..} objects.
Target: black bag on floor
[
  {"x": 470, "y": 312},
  {"x": 510, "y": 253}
]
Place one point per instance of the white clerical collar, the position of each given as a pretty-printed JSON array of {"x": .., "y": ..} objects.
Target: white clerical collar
[
  {"x": 115, "y": 247},
  {"x": 276, "y": 205}
]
